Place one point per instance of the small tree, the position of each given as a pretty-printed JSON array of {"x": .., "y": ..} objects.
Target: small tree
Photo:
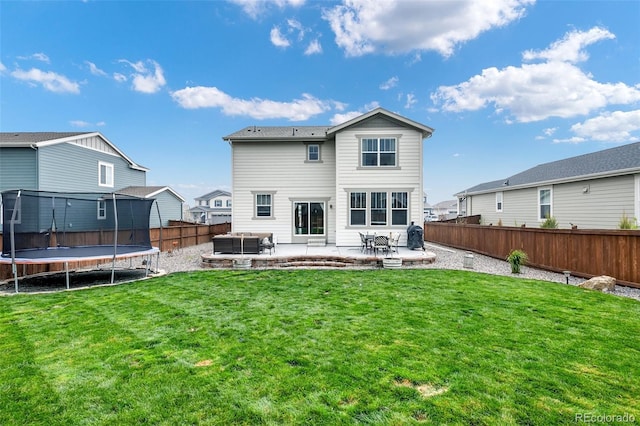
[{"x": 516, "y": 259}]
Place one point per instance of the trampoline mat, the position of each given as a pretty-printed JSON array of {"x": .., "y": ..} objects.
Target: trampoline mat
[
  {"x": 78, "y": 279},
  {"x": 79, "y": 253}
]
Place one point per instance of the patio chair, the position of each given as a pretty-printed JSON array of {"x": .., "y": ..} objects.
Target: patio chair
[
  {"x": 363, "y": 243},
  {"x": 394, "y": 240},
  {"x": 381, "y": 242},
  {"x": 267, "y": 244}
]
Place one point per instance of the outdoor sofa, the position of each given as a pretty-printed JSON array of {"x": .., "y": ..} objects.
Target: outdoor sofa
[{"x": 234, "y": 243}]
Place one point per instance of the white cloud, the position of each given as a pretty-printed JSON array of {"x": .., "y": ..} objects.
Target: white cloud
[
  {"x": 49, "y": 80},
  {"x": 94, "y": 69},
  {"x": 411, "y": 100},
  {"x": 2, "y": 68},
  {"x": 392, "y": 82},
  {"x": 571, "y": 47},
  {"x": 120, "y": 78},
  {"x": 549, "y": 131},
  {"x": 211, "y": 97},
  {"x": 143, "y": 79},
  {"x": 344, "y": 117},
  {"x": 278, "y": 39},
  {"x": 36, "y": 56},
  {"x": 617, "y": 126},
  {"x": 79, "y": 123},
  {"x": 255, "y": 8},
  {"x": 396, "y": 26},
  {"x": 313, "y": 48},
  {"x": 534, "y": 92}
]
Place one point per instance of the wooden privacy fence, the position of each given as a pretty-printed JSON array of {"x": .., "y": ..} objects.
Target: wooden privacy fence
[
  {"x": 177, "y": 235},
  {"x": 584, "y": 252}
]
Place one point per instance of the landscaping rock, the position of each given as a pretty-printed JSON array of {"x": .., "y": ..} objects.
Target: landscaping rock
[{"x": 601, "y": 283}]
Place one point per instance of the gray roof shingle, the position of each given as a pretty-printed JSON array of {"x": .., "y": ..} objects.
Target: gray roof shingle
[
  {"x": 279, "y": 132},
  {"x": 35, "y": 137},
  {"x": 623, "y": 159}
]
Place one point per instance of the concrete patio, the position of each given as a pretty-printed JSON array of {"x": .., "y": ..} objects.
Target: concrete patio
[{"x": 302, "y": 255}]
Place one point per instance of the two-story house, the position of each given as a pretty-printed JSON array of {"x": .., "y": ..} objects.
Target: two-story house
[
  {"x": 323, "y": 183},
  {"x": 212, "y": 208},
  {"x": 75, "y": 162}
]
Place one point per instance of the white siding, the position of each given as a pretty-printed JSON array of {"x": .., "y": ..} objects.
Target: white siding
[
  {"x": 349, "y": 177},
  {"x": 280, "y": 168}
]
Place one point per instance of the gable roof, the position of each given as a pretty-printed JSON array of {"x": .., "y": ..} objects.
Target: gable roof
[
  {"x": 214, "y": 194},
  {"x": 148, "y": 191},
  {"x": 425, "y": 130},
  {"x": 616, "y": 161},
  {"x": 319, "y": 133},
  {"x": 40, "y": 139}
]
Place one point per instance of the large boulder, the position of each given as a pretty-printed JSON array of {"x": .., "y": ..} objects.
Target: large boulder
[{"x": 601, "y": 283}]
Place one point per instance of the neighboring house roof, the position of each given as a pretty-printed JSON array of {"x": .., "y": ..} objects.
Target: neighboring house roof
[
  {"x": 320, "y": 133},
  {"x": 216, "y": 210},
  {"x": 616, "y": 161},
  {"x": 148, "y": 191},
  {"x": 214, "y": 194},
  {"x": 40, "y": 139},
  {"x": 446, "y": 205}
]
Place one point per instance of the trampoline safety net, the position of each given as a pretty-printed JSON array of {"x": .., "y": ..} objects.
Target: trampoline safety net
[{"x": 38, "y": 220}]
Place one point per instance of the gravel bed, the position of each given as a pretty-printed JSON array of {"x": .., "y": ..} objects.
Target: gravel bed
[{"x": 188, "y": 259}]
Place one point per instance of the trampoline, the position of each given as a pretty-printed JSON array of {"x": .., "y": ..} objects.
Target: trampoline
[{"x": 58, "y": 228}]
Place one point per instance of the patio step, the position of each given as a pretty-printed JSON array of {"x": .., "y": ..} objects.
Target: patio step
[{"x": 316, "y": 242}]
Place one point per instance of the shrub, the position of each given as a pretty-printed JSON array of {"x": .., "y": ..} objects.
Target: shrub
[
  {"x": 627, "y": 222},
  {"x": 549, "y": 223},
  {"x": 517, "y": 258}
]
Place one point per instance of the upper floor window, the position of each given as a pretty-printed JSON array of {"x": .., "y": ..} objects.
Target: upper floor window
[
  {"x": 544, "y": 203},
  {"x": 217, "y": 203},
  {"x": 498, "y": 201},
  {"x": 313, "y": 152},
  {"x": 228, "y": 203},
  {"x": 105, "y": 174},
  {"x": 378, "y": 152},
  {"x": 264, "y": 205}
]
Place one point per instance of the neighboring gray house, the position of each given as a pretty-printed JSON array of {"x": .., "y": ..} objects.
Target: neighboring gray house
[
  {"x": 66, "y": 162},
  {"x": 324, "y": 184},
  {"x": 212, "y": 208},
  {"x": 168, "y": 203},
  {"x": 591, "y": 191}
]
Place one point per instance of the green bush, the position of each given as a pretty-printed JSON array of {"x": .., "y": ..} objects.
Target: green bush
[
  {"x": 549, "y": 223},
  {"x": 517, "y": 258},
  {"x": 627, "y": 222}
]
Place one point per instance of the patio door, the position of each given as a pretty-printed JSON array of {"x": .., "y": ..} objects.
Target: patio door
[{"x": 308, "y": 218}]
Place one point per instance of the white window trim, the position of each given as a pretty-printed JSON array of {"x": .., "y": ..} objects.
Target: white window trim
[
  {"x": 369, "y": 207},
  {"x": 379, "y": 151},
  {"x": 500, "y": 201},
  {"x": 110, "y": 174},
  {"x": 255, "y": 205},
  {"x": 637, "y": 198},
  {"x": 102, "y": 209},
  {"x": 307, "y": 159},
  {"x": 550, "y": 189},
  {"x": 216, "y": 202}
]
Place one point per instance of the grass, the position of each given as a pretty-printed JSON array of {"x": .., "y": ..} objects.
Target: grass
[{"x": 319, "y": 347}]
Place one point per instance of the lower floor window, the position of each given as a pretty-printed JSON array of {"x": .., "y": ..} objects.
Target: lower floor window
[
  {"x": 378, "y": 208},
  {"x": 263, "y": 205}
]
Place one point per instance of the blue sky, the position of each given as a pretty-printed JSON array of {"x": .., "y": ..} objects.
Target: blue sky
[{"x": 507, "y": 84}]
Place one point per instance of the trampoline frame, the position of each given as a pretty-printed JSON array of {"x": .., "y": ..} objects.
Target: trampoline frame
[{"x": 66, "y": 254}]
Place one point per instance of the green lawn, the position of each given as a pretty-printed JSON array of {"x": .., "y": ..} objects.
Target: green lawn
[{"x": 319, "y": 347}]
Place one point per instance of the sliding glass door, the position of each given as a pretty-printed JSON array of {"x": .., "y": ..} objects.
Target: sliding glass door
[{"x": 308, "y": 218}]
